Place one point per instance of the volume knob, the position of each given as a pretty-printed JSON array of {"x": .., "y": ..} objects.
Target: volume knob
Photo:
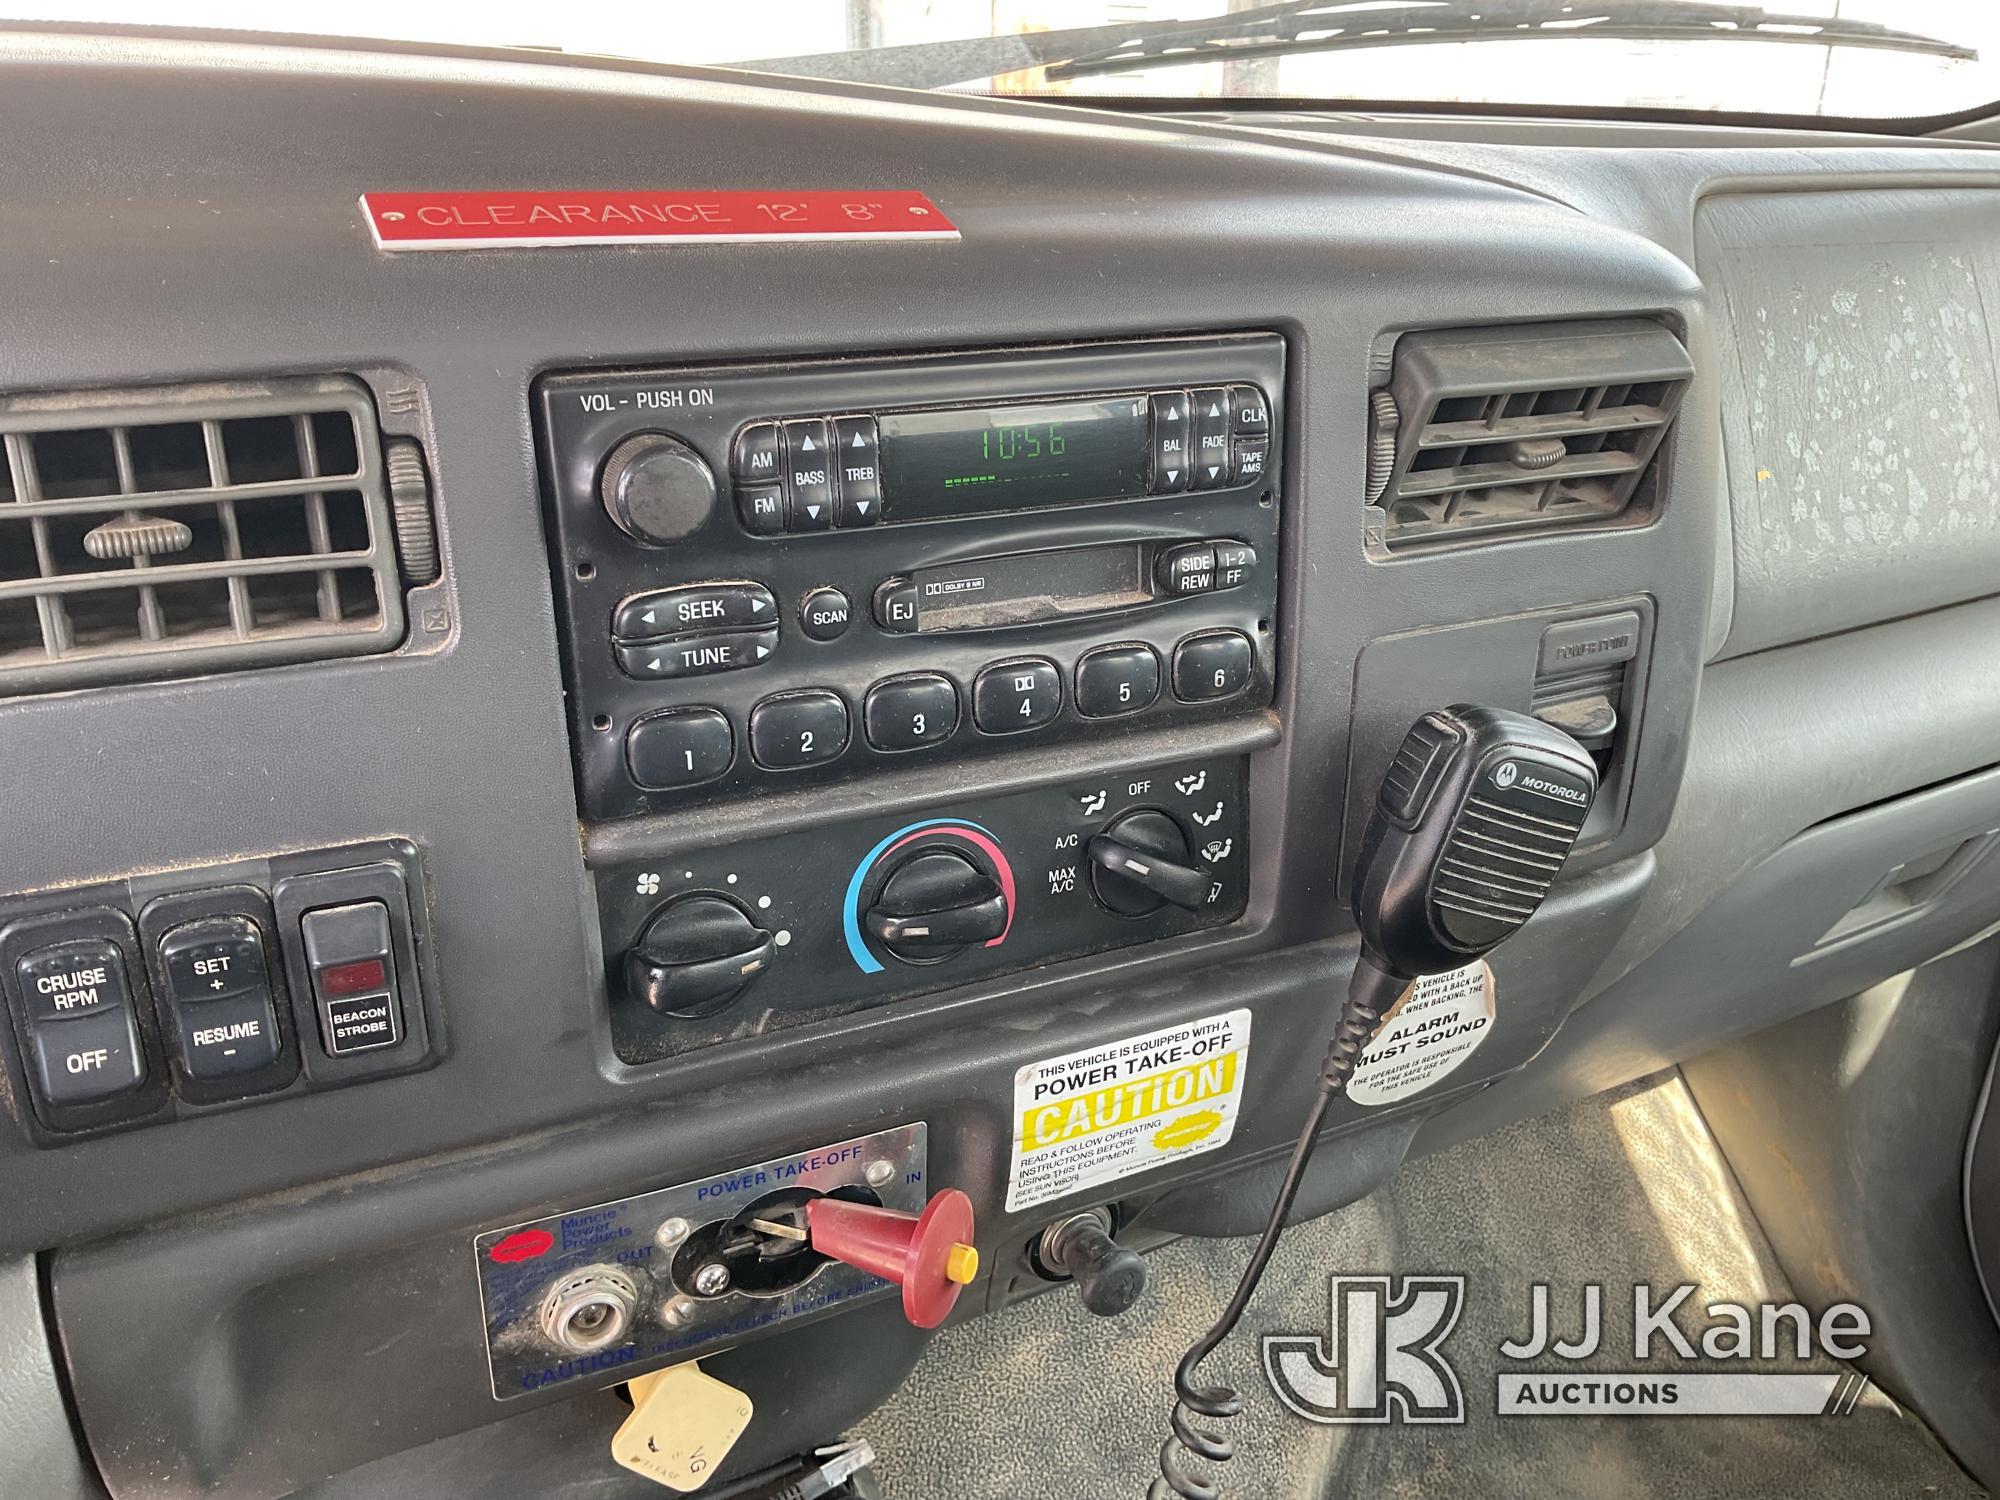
[{"x": 656, "y": 488}]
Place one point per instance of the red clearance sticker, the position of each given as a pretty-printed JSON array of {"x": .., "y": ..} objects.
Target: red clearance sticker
[{"x": 497, "y": 221}]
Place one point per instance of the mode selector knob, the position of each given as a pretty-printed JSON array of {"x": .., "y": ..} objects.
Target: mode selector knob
[
  {"x": 656, "y": 488},
  {"x": 696, "y": 955},
  {"x": 1140, "y": 862},
  {"x": 935, "y": 905}
]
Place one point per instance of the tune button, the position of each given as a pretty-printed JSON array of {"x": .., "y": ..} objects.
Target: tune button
[
  {"x": 798, "y": 729},
  {"x": 1012, "y": 696},
  {"x": 1211, "y": 666},
  {"x": 908, "y": 713},
  {"x": 825, "y": 613},
  {"x": 1115, "y": 680},
  {"x": 697, "y": 655}
]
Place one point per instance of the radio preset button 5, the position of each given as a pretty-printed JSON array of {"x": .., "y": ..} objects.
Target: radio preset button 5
[
  {"x": 896, "y": 605},
  {"x": 858, "y": 467},
  {"x": 908, "y": 713},
  {"x": 809, "y": 468},
  {"x": 1211, "y": 438},
  {"x": 698, "y": 655},
  {"x": 1114, "y": 680},
  {"x": 683, "y": 747},
  {"x": 1212, "y": 666},
  {"x": 1186, "y": 569},
  {"x": 1172, "y": 437},
  {"x": 824, "y": 613},
  {"x": 1015, "y": 695},
  {"x": 798, "y": 729},
  {"x": 704, "y": 607}
]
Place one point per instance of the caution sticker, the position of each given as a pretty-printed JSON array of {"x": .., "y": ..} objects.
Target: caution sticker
[
  {"x": 1430, "y": 1032},
  {"x": 1107, "y": 1112}
]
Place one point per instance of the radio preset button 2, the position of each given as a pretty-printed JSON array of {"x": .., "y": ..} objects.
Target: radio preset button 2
[
  {"x": 825, "y": 614},
  {"x": 1012, "y": 696},
  {"x": 1171, "y": 442},
  {"x": 896, "y": 605},
  {"x": 1211, "y": 438},
  {"x": 1235, "y": 562},
  {"x": 703, "y": 607},
  {"x": 697, "y": 655},
  {"x": 908, "y": 713},
  {"x": 809, "y": 467},
  {"x": 858, "y": 464},
  {"x": 1212, "y": 666},
  {"x": 798, "y": 729},
  {"x": 1186, "y": 569},
  {"x": 1114, "y": 680},
  {"x": 683, "y": 747}
]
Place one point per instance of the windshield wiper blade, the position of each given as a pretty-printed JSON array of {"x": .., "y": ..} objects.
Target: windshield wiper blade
[
  {"x": 1331, "y": 25},
  {"x": 1343, "y": 25}
]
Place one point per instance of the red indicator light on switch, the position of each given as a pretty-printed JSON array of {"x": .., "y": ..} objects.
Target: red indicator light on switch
[{"x": 352, "y": 979}]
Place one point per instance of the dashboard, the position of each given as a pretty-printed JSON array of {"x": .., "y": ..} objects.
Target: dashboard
[{"x": 521, "y": 756}]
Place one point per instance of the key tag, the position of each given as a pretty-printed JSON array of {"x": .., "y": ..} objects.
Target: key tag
[{"x": 682, "y": 1426}]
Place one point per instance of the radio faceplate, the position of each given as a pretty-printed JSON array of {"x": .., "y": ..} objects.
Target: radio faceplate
[{"x": 746, "y": 643}]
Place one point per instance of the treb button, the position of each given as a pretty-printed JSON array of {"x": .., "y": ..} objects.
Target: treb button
[{"x": 857, "y": 469}]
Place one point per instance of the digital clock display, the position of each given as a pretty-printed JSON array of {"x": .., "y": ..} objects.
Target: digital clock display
[{"x": 1006, "y": 458}]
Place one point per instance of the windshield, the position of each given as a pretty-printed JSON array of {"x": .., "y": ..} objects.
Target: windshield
[{"x": 1857, "y": 59}]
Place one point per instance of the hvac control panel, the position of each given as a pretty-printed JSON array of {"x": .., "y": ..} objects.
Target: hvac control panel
[
  {"x": 776, "y": 574},
  {"x": 758, "y": 935}
]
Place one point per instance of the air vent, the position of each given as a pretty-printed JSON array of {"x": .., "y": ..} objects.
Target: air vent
[
  {"x": 1514, "y": 429},
  {"x": 164, "y": 532}
]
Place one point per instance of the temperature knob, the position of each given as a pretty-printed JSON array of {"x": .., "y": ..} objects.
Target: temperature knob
[
  {"x": 934, "y": 905},
  {"x": 697, "y": 955}
]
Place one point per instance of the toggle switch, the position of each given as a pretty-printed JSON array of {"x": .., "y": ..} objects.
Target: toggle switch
[
  {"x": 930, "y": 1255},
  {"x": 348, "y": 954}
]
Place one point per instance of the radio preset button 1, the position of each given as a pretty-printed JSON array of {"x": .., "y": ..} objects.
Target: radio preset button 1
[
  {"x": 825, "y": 614},
  {"x": 908, "y": 713},
  {"x": 896, "y": 605},
  {"x": 856, "y": 458},
  {"x": 798, "y": 729},
  {"x": 1211, "y": 438},
  {"x": 683, "y": 747},
  {"x": 1114, "y": 680},
  {"x": 698, "y": 655},
  {"x": 1011, "y": 696},
  {"x": 1250, "y": 413},
  {"x": 700, "y": 608},
  {"x": 1212, "y": 666},
  {"x": 1186, "y": 569},
  {"x": 1234, "y": 563},
  {"x": 808, "y": 475},
  {"x": 1171, "y": 440}
]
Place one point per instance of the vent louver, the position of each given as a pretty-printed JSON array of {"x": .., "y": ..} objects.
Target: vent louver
[
  {"x": 164, "y": 532},
  {"x": 1513, "y": 429}
]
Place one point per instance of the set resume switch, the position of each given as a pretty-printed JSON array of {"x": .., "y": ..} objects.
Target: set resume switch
[
  {"x": 351, "y": 958},
  {"x": 219, "y": 992}
]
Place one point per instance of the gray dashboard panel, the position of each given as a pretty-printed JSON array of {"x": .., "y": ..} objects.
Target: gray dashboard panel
[{"x": 209, "y": 226}]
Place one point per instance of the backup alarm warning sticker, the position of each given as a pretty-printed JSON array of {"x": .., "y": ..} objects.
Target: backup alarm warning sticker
[
  {"x": 541, "y": 219},
  {"x": 1107, "y": 1112},
  {"x": 1439, "y": 1022}
]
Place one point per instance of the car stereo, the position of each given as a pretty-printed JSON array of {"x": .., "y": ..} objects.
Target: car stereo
[{"x": 775, "y": 573}]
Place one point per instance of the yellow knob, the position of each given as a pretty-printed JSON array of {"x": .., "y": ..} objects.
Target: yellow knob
[{"x": 961, "y": 1264}]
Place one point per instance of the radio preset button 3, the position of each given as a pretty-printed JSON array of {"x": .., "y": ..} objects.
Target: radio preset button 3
[
  {"x": 698, "y": 655},
  {"x": 683, "y": 747},
  {"x": 908, "y": 713},
  {"x": 1114, "y": 680},
  {"x": 798, "y": 729},
  {"x": 1212, "y": 666},
  {"x": 825, "y": 614},
  {"x": 1012, "y": 696}
]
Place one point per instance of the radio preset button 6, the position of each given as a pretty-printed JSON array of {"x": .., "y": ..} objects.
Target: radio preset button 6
[
  {"x": 857, "y": 464},
  {"x": 1015, "y": 695},
  {"x": 824, "y": 613},
  {"x": 1211, "y": 438},
  {"x": 896, "y": 605},
  {"x": 1186, "y": 569},
  {"x": 1171, "y": 438},
  {"x": 908, "y": 713},
  {"x": 698, "y": 655},
  {"x": 1212, "y": 666},
  {"x": 684, "y": 747},
  {"x": 1115, "y": 680},
  {"x": 703, "y": 607},
  {"x": 798, "y": 729},
  {"x": 808, "y": 475}
]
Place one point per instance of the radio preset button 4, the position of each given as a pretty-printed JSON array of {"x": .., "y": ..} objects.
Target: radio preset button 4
[{"x": 1013, "y": 696}]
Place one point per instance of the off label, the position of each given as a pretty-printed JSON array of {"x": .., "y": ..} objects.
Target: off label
[
  {"x": 1441, "y": 1021},
  {"x": 1107, "y": 1112}
]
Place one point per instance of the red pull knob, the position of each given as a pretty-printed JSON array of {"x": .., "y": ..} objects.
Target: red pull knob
[{"x": 930, "y": 1255}]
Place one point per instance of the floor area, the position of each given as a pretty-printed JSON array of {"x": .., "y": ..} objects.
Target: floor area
[{"x": 1047, "y": 1401}]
